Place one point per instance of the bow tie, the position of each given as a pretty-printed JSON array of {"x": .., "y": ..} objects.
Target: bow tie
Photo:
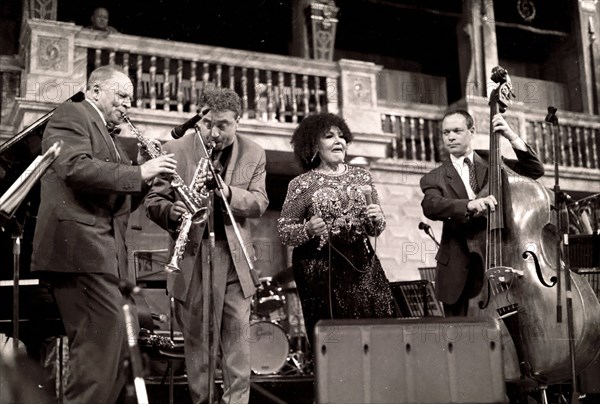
[{"x": 113, "y": 130}]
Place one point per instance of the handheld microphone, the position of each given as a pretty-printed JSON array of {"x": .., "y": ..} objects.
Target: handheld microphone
[
  {"x": 424, "y": 226},
  {"x": 179, "y": 131},
  {"x": 367, "y": 190}
]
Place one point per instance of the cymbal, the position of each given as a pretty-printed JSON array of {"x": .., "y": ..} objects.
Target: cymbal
[{"x": 284, "y": 276}]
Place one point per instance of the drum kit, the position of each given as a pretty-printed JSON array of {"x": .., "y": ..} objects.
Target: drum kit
[{"x": 278, "y": 341}]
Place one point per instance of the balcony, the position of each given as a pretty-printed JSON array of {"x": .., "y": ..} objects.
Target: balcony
[{"x": 395, "y": 115}]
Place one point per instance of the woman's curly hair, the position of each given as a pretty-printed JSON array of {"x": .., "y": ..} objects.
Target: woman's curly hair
[{"x": 306, "y": 136}]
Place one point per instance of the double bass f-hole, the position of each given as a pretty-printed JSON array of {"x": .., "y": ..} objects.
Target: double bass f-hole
[{"x": 538, "y": 270}]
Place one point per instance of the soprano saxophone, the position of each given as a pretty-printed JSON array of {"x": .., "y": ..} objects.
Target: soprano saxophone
[
  {"x": 186, "y": 219},
  {"x": 195, "y": 204}
]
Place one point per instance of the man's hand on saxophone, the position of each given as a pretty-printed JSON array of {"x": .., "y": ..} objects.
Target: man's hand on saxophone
[
  {"x": 165, "y": 164},
  {"x": 143, "y": 154},
  {"x": 178, "y": 208},
  {"x": 210, "y": 182}
]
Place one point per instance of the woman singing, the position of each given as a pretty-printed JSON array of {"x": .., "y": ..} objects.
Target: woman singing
[{"x": 327, "y": 216}]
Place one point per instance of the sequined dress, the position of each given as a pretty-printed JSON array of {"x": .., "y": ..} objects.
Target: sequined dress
[{"x": 359, "y": 287}]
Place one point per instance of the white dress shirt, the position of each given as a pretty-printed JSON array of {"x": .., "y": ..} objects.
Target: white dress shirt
[{"x": 463, "y": 171}]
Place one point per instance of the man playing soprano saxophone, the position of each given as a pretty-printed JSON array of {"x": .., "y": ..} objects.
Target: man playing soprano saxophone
[
  {"x": 79, "y": 242},
  {"x": 243, "y": 172}
]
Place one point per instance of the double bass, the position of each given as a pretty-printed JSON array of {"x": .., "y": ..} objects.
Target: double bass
[{"x": 517, "y": 251}]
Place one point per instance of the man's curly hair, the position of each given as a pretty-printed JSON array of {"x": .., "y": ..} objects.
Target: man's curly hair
[
  {"x": 220, "y": 100},
  {"x": 306, "y": 136}
]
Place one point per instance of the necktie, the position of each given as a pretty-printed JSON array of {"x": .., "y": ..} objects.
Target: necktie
[{"x": 472, "y": 176}]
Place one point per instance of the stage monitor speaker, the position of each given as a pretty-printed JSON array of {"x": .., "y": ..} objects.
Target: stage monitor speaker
[{"x": 432, "y": 360}]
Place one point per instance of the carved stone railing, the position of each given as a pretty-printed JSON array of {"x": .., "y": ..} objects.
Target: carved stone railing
[
  {"x": 415, "y": 130},
  {"x": 171, "y": 76},
  {"x": 579, "y": 141}
]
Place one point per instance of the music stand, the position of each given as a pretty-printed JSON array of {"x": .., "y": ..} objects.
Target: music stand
[
  {"x": 9, "y": 203},
  {"x": 416, "y": 299},
  {"x": 149, "y": 268}
]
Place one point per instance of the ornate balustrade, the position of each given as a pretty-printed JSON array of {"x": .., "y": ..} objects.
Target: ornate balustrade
[
  {"x": 579, "y": 138},
  {"x": 171, "y": 76},
  {"x": 416, "y": 131}
]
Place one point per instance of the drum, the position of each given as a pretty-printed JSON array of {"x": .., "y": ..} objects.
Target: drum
[
  {"x": 269, "y": 301},
  {"x": 269, "y": 347}
]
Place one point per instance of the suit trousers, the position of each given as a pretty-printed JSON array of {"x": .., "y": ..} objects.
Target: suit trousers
[
  {"x": 231, "y": 320},
  {"x": 91, "y": 311},
  {"x": 470, "y": 289}
]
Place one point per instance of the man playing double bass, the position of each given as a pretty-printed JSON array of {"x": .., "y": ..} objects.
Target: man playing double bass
[{"x": 452, "y": 194}]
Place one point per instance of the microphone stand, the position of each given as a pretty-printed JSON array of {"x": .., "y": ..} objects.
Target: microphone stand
[
  {"x": 208, "y": 306},
  {"x": 17, "y": 236},
  {"x": 427, "y": 229},
  {"x": 424, "y": 295},
  {"x": 135, "y": 357},
  {"x": 209, "y": 303},
  {"x": 220, "y": 187},
  {"x": 562, "y": 251}
]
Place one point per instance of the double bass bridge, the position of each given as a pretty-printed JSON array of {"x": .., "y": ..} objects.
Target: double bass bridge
[{"x": 508, "y": 311}]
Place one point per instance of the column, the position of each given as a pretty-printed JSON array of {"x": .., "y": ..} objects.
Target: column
[
  {"x": 478, "y": 53},
  {"x": 42, "y": 9},
  {"x": 585, "y": 28}
]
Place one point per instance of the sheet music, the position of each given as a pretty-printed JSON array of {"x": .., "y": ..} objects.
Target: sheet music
[{"x": 12, "y": 198}]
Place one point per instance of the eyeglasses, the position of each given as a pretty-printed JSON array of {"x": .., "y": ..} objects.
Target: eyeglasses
[
  {"x": 121, "y": 96},
  {"x": 124, "y": 97}
]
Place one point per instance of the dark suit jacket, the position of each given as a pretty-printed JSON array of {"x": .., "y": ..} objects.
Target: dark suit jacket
[
  {"x": 445, "y": 198},
  {"x": 85, "y": 201},
  {"x": 245, "y": 175}
]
